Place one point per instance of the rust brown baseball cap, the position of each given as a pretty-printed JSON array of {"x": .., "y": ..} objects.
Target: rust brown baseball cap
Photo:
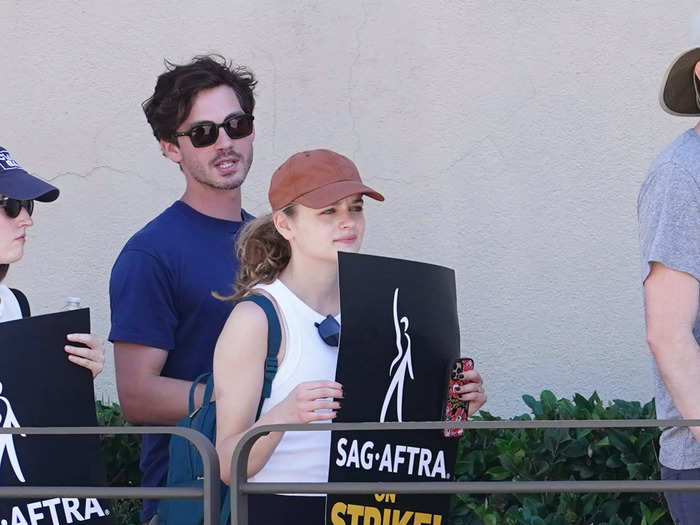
[{"x": 316, "y": 179}]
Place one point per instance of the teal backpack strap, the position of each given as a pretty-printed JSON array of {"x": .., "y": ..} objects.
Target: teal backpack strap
[
  {"x": 274, "y": 339},
  {"x": 191, "y": 411},
  {"x": 226, "y": 507}
]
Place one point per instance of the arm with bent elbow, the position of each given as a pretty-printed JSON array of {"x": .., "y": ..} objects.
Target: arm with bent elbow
[
  {"x": 145, "y": 396},
  {"x": 671, "y": 299}
]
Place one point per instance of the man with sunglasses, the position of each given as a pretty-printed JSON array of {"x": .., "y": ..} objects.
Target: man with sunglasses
[
  {"x": 165, "y": 320},
  {"x": 669, "y": 233}
]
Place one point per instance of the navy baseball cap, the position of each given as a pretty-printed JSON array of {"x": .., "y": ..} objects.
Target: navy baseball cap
[{"x": 18, "y": 184}]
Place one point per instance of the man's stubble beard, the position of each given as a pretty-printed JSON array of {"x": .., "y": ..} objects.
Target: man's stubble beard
[{"x": 200, "y": 175}]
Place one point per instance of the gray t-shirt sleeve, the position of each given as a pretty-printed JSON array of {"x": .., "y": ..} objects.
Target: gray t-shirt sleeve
[{"x": 669, "y": 220}]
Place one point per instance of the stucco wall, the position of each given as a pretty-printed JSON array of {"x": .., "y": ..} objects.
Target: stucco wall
[{"x": 509, "y": 137}]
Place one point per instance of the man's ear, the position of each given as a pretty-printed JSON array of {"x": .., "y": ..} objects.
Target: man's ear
[
  {"x": 170, "y": 150},
  {"x": 697, "y": 71},
  {"x": 282, "y": 224}
]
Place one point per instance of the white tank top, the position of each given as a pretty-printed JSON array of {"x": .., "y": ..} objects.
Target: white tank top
[
  {"x": 9, "y": 306},
  {"x": 300, "y": 456}
]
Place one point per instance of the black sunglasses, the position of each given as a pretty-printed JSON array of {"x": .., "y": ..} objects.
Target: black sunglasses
[
  {"x": 207, "y": 133},
  {"x": 14, "y": 206}
]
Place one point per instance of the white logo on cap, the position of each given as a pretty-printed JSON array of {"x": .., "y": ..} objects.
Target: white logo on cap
[{"x": 7, "y": 162}]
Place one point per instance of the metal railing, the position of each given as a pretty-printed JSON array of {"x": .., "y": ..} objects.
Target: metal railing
[
  {"x": 209, "y": 492},
  {"x": 241, "y": 487}
]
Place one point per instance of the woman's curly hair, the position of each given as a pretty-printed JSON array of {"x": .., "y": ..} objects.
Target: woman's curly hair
[{"x": 263, "y": 254}]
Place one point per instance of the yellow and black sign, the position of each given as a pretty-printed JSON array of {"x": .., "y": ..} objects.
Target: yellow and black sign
[
  {"x": 383, "y": 512},
  {"x": 400, "y": 334}
]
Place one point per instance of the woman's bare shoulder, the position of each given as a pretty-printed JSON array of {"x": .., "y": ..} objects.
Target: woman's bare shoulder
[{"x": 246, "y": 325}]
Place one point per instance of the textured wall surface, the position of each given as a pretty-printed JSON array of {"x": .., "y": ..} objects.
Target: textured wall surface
[{"x": 510, "y": 139}]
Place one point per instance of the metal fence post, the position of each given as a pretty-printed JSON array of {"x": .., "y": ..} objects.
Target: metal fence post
[{"x": 239, "y": 474}]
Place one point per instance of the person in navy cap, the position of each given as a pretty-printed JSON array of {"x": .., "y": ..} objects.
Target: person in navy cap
[{"x": 18, "y": 191}]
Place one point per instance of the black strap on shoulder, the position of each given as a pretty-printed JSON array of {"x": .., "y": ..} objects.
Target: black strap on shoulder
[
  {"x": 274, "y": 339},
  {"x": 23, "y": 303}
]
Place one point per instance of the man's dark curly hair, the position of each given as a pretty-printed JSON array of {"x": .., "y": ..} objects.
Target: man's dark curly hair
[{"x": 176, "y": 89}]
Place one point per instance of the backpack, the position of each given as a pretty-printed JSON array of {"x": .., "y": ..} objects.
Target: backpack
[{"x": 186, "y": 468}]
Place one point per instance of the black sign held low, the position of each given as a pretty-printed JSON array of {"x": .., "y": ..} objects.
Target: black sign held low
[
  {"x": 400, "y": 334},
  {"x": 39, "y": 387}
]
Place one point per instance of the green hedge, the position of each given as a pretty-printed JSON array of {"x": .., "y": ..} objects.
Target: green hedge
[
  {"x": 517, "y": 455},
  {"x": 562, "y": 454}
]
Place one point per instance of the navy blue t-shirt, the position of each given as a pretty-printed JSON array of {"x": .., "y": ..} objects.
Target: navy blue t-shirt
[{"x": 160, "y": 294}]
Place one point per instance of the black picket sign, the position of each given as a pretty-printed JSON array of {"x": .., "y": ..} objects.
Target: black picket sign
[
  {"x": 399, "y": 336},
  {"x": 40, "y": 387}
]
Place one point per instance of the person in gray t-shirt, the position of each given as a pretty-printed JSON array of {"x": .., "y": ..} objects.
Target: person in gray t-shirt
[{"x": 669, "y": 232}]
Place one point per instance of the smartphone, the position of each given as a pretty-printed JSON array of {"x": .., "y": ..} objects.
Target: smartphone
[{"x": 455, "y": 408}]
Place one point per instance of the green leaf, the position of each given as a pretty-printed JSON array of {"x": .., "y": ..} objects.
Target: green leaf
[
  {"x": 582, "y": 404},
  {"x": 651, "y": 516},
  {"x": 549, "y": 400},
  {"x": 595, "y": 399},
  {"x": 645, "y": 437},
  {"x": 566, "y": 410},
  {"x": 621, "y": 441},
  {"x": 537, "y": 409},
  {"x": 615, "y": 520},
  {"x": 499, "y": 473},
  {"x": 584, "y": 471},
  {"x": 609, "y": 509},
  {"x": 510, "y": 463},
  {"x": 576, "y": 449},
  {"x": 590, "y": 502},
  {"x": 638, "y": 470},
  {"x": 530, "y": 401},
  {"x": 613, "y": 462},
  {"x": 491, "y": 519}
]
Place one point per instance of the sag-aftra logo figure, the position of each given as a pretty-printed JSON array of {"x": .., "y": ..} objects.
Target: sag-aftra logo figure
[
  {"x": 7, "y": 443},
  {"x": 403, "y": 358}
]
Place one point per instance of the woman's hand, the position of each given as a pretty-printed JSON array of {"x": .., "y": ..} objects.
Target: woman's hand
[
  {"x": 92, "y": 358},
  {"x": 311, "y": 401},
  {"x": 472, "y": 389}
]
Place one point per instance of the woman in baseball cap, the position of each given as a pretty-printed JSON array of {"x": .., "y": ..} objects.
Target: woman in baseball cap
[
  {"x": 18, "y": 191},
  {"x": 291, "y": 257}
]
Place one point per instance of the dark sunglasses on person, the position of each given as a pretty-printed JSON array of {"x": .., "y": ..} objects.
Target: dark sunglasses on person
[
  {"x": 13, "y": 207},
  {"x": 207, "y": 133}
]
